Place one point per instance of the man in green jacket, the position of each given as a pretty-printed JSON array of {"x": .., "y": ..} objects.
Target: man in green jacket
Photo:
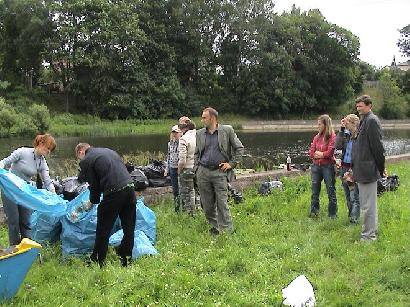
[{"x": 218, "y": 151}]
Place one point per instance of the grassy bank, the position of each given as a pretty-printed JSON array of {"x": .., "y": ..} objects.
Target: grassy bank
[
  {"x": 86, "y": 125},
  {"x": 274, "y": 242}
]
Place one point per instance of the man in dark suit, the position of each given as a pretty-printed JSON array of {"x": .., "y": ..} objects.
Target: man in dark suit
[
  {"x": 106, "y": 173},
  {"x": 218, "y": 151},
  {"x": 368, "y": 164}
]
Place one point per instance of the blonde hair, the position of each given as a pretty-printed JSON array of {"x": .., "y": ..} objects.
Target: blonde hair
[
  {"x": 81, "y": 146},
  {"x": 327, "y": 121},
  {"x": 353, "y": 118}
]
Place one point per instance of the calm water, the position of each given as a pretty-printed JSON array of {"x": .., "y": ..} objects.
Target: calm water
[{"x": 262, "y": 148}]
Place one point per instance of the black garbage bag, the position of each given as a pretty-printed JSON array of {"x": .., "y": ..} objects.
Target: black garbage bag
[
  {"x": 130, "y": 167},
  {"x": 235, "y": 194},
  {"x": 155, "y": 170},
  {"x": 72, "y": 187},
  {"x": 389, "y": 183},
  {"x": 159, "y": 182},
  {"x": 139, "y": 179},
  {"x": 267, "y": 186}
]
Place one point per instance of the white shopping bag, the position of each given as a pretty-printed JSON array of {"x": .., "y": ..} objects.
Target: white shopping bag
[{"x": 299, "y": 293}]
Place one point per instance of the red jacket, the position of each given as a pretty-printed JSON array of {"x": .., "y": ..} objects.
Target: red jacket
[{"x": 328, "y": 149}]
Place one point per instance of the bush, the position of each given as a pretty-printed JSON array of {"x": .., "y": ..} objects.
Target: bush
[
  {"x": 40, "y": 117},
  {"x": 25, "y": 126},
  {"x": 8, "y": 118},
  {"x": 394, "y": 108}
]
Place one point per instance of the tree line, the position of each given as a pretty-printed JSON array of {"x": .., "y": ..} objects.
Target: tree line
[{"x": 154, "y": 59}]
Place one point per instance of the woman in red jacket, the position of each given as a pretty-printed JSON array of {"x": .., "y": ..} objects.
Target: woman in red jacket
[{"x": 323, "y": 168}]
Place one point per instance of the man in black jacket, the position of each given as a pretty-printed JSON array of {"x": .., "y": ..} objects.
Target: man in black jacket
[
  {"x": 368, "y": 164},
  {"x": 106, "y": 173}
]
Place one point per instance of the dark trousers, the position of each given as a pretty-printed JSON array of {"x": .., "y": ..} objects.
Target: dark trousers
[
  {"x": 173, "y": 175},
  {"x": 326, "y": 173},
  {"x": 18, "y": 220},
  {"x": 116, "y": 204}
]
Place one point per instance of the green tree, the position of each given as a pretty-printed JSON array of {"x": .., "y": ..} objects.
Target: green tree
[
  {"x": 24, "y": 27},
  {"x": 394, "y": 105},
  {"x": 404, "y": 41}
]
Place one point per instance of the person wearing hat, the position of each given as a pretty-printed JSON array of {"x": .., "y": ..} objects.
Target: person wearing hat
[
  {"x": 186, "y": 150},
  {"x": 172, "y": 162}
]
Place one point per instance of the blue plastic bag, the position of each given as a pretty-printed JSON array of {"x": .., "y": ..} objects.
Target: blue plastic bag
[
  {"x": 142, "y": 244},
  {"x": 78, "y": 236},
  {"x": 146, "y": 220},
  {"x": 45, "y": 227},
  {"x": 28, "y": 196}
]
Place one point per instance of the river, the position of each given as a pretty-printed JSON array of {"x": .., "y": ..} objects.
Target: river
[{"x": 263, "y": 149}]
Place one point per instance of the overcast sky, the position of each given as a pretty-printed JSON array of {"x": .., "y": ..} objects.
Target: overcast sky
[{"x": 375, "y": 22}]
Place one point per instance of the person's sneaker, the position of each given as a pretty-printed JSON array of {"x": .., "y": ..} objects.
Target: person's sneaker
[
  {"x": 354, "y": 221},
  {"x": 213, "y": 231},
  {"x": 333, "y": 216},
  {"x": 313, "y": 214}
]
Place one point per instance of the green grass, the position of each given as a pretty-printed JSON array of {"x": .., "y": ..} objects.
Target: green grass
[
  {"x": 274, "y": 242},
  {"x": 86, "y": 125}
]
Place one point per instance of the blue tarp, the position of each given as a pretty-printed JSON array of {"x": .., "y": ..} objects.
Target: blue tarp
[
  {"x": 44, "y": 227},
  {"x": 77, "y": 235},
  {"x": 29, "y": 196},
  {"x": 142, "y": 244}
]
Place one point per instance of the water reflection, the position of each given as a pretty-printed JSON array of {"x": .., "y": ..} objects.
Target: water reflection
[{"x": 262, "y": 149}]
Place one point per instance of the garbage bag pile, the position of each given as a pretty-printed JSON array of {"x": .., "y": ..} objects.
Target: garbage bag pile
[
  {"x": 151, "y": 175},
  {"x": 389, "y": 183},
  {"x": 53, "y": 220}
]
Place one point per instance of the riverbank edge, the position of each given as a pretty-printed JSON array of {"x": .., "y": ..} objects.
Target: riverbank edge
[
  {"x": 154, "y": 196},
  {"x": 310, "y": 125}
]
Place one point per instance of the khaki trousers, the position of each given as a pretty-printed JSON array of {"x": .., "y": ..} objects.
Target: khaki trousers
[{"x": 213, "y": 190}]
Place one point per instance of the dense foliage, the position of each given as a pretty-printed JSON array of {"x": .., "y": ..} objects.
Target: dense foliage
[{"x": 152, "y": 59}]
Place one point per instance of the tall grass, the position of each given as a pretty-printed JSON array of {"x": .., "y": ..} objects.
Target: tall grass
[
  {"x": 274, "y": 242},
  {"x": 67, "y": 124}
]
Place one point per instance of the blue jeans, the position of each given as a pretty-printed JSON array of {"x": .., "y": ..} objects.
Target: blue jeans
[
  {"x": 326, "y": 173},
  {"x": 352, "y": 197},
  {"x": 173, "y": 174}
]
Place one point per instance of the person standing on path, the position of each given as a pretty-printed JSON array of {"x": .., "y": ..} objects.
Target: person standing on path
[
  {"x": 323, "y": 168},
  {"x": 368, "y": 157},
  {"x": 106, "y": 173},
  {"x": 218, "y": 151}
]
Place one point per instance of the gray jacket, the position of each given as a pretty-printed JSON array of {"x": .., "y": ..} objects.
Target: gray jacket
[
  {"x": 24, "y": 163},
  {"x": 229, "y": 145},
  {"x": 368, "y": 151}
]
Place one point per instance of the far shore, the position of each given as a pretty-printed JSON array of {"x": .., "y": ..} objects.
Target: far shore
[{"x": 310, "y": 125}]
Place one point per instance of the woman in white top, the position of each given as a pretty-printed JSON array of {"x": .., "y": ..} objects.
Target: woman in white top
[{"x": 26, "y": 162}]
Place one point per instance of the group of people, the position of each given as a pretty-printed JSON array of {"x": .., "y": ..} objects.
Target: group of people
[
  {"x": 202, "y": 161},
  {"x": 361, "y": 164},
  {"x": 209, "y": 155}
]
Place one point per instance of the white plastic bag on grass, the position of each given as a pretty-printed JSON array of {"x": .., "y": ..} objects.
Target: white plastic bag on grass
[{"x": 299, "y": 293}]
